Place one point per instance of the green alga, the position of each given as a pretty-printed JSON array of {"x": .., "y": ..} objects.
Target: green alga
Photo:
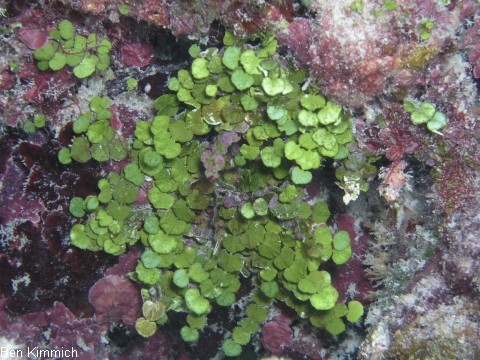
[{"x": 251, "y": 223}]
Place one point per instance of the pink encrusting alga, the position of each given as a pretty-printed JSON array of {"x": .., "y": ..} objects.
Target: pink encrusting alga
[
  {"x": 359, "y": 55},
  {"x": 115, "y": 298}
]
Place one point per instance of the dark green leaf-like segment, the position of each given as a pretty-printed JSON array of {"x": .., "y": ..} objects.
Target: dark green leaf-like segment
[
  {"x": 66, "y": 48},
  {"x": 29, "y": 127},
  {"x": 96, "y": 138},
  {"x": 282, "y": 132},
  {"x": 251, "y": 81},
  {"x": 425, "y": 113}
]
